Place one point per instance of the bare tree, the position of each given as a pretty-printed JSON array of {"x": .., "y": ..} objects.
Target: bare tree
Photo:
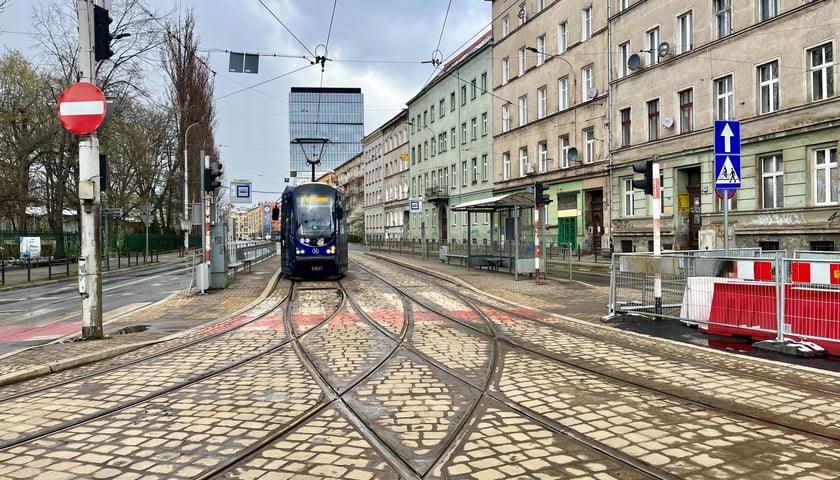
[
  {"x": 25, "y": 130},
  {"x": 191, "y": 92}
]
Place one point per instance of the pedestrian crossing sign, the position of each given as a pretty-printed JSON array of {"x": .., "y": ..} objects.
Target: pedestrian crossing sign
[{"x": 727, "y": 171}]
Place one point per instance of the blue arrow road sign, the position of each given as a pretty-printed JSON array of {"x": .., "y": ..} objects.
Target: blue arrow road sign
[{"x": 727, "y": 137}]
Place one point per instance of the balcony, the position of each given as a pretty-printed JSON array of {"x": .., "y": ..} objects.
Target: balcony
[{"x": 437, "y": 195}]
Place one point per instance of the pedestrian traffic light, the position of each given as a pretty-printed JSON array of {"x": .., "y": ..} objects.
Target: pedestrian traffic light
[
  {"x": 213, "y": 177},
  {"x": 645, "y": 167},
  {"x": 540, "y": 195},
  {"x": 102, "y": 34}
]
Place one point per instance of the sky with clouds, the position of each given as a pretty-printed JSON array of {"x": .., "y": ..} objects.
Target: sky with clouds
[{"x": 376, "y": 45}]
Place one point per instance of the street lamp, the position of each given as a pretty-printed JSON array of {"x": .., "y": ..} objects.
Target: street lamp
[
  {"x": 571, "y": 69},
  {"x": 186, "y": 189}
]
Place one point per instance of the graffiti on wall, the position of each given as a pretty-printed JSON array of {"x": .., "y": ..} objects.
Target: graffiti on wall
[{"x": 778, "y": 220}]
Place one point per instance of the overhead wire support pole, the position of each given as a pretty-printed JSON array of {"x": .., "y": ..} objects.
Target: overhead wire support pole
[
  {"x": 186, "y": 189},
  {"x": 90, "y": 259}
]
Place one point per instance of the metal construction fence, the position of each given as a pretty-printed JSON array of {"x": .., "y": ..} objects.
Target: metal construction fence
[{"x": 763, "y": 295}]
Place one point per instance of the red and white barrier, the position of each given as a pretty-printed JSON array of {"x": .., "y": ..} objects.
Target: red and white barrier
[{"x": 815, "y": 272}]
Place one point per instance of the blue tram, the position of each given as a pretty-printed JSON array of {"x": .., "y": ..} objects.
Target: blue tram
[{"x": 313, "y": 231}]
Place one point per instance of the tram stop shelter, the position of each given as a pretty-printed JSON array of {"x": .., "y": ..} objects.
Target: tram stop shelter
[{"x": 510, "y": 247}]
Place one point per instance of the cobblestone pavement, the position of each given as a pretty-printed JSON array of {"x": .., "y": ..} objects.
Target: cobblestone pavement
[{"x": 425, "y": 384}]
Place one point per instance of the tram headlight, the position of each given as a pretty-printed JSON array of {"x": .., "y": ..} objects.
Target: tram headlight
[
  {"x": 331, "y": 250},
  {"x": 300, "y": 251}
]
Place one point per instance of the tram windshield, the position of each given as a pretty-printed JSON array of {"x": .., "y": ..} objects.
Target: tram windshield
[{"x": 314, "y": 218}]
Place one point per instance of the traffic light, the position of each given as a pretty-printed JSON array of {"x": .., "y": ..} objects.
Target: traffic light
[
  {"x": 213, "y": 177},
  {"x": 102, "y": 34},
  {"x": 645, "y": 167},
  {"x": 540, "y": 195}
]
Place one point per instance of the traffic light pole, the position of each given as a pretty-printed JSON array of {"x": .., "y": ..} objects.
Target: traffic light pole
[
  {"x": 657, "y": 230},
  {"x": 537, "y": 223},
  {"x": 90, "y": 259}
]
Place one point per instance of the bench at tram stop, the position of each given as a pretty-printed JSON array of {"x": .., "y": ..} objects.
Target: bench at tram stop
[{"x": 234, "y": 267}]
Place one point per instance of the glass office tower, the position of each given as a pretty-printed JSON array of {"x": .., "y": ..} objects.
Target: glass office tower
[{"x": 334, "y": 114}]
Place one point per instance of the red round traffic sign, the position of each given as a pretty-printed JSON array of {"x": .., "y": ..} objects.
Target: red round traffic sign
[
  {"x": 81, "y": 108},
  {"x": 727, "y": 192}
]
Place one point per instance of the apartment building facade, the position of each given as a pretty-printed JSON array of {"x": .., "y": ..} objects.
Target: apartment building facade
[
  {"x": 395, "y": 182},
  {"x": 374, "y": 168},
  {"x": 451, "y": 146},
  {"x": 350, "y": 178},
  {"x": 551, "y": 112},
  {"x": 768, "y": 64}
]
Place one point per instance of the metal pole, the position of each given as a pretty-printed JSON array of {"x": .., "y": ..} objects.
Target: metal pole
[
  {"x": 537, "y": 211},
  {"x": 90, "y": 286},
  {"x": 205, "y": 234},
  {"x": 725, "y": 198},
  {"x": 186, "y": 188},
  {"x": 657, "y": 229}
]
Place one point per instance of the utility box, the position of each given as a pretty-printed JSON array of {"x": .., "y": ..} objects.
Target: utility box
[
  {"x": 202, "y": 276},
  {"x": 218, "y": 258}
]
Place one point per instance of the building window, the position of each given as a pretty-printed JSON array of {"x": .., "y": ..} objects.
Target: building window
[
  {"x": 825, "y": 176},
  {"x": 425, "y": 150},
  {"x": 523, "y": 161},
  {"x": 463, "y": 95},
  {"x": 725, "y": 100},
  {"x": 767, "y": 9},
  {"x": 452, "y": 102},
  {"x": 475, "y": 169},
  {"x": 653, "y": 119},
  {"x": 464, "y": 174},
  {"x": 629, "y": 197},
  {"x": 623, "y": 4},
  {"x": 685, "y": 31},
  {"x": 540, "y": 50},
  {"x": 624, "y": 53},
  {"x": 563, "y": 94},
  {"x": 473, "y": 89},
  {"x": 454, "y": 182},
  {"x": 652, "y": 45},
  {"x": 768, "y": 85},
  {"x": 442, "y": 107},
  {"x": 505, "y": 70},
  {"x": 452, "y": 137},
  {"x": 463, "y": 133},
  {"x": 625, "y": 127},
  {"x": 562, "y": 37},
  {"x": 686, "y": 98},
  {"x": 723, "y": 17},
  {"x": 586, "y": 24},
  {"x": 540, "y": 5},
  {"x": 542, "y": 102},
  {"x": 522, "y": 61},
  {"x": 564, "y": 151},
  {"x": 434, "y": 147},
  {"x": 588, "y": 82},
  {"x": 505, "y": 26},
  {"x": 821, "y": 66},
  {"x": 484, "y": 167},
  {"x": 522, "y": 14},
  {"x": 542, "y": 151},
  {"x": 505, "y": 117},
  {"x": 506, "y": 166},
  {"x": 773, "y": 181},
  {"x": 432, "y": 114},
  {"x": 484, "y": 83},
  {"x": 484, "y": 124},
  {"x": 523, "y": 110},
  {"x": 425, "y": 118},
  {"x": 474, "y": 128},
  {"x": 442, "y": 141},
  {"x": 589, "y": 147}
]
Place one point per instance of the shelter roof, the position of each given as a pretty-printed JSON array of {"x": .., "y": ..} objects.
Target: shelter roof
[{"x": 507, "y": 201}]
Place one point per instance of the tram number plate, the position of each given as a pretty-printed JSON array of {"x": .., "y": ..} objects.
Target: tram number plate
[{"x": 317, "y": 268}]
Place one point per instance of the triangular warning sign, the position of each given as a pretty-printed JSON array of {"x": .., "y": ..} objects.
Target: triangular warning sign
[{"x": 728, "y": 174}]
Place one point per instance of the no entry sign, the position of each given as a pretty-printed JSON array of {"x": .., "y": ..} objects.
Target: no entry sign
[{"x": 81, "y": 108}]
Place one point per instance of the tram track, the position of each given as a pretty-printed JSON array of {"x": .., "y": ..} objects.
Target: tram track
[
  {"x": 387, "y": 374},
  {"x": 603, "y": 367}
]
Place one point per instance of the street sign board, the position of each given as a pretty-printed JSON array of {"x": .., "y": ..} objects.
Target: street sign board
[
  {"x": 240, "y": 191},
  {"x": 727, "y": 137},
  {"x": 727, "y": 171},
  {"x": 415, "y": 205},
  {"x": 727, "y": 154},
  {"x": 81, "y": 108}
]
